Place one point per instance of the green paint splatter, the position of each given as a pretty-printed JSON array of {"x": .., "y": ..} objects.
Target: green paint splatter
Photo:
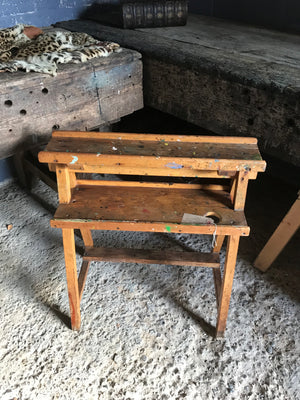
[{"x": 168, "y": 228}]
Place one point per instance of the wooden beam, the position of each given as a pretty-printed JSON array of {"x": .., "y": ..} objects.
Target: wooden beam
[
  {"x": 282, "y": 235},
  {"x": 168, "y": 257}
]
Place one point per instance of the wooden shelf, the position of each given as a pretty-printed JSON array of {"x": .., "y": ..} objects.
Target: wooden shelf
[
  {"x": 167, "y": 257},
  {"x": 149, "y": 208}
]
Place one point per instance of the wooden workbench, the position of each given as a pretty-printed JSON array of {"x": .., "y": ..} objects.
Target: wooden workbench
[
  {"x": 230, "y": 78},
  {"x": 82, "y": 96},
  {"x": 91, "y": 204}
]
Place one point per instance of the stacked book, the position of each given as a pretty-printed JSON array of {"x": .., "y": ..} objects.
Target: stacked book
[{"x": 141, "y": 13}]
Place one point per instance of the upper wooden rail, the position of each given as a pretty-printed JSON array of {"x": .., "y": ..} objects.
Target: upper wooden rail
[
  {"x": 154, "y": 137},
  {"x": 81, "y": 151}
]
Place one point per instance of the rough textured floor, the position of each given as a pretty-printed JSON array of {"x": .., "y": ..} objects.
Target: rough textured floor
[{"x": 145, "y": 329}]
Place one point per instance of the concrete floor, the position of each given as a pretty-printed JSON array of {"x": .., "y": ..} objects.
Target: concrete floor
[{"x": 145, "y": 329}]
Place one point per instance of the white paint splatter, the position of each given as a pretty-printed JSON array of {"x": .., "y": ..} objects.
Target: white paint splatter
[{"x": 75, "y": 159}]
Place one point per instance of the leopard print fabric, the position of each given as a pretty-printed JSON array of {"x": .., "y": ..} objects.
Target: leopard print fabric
[{"x": 47, "y": 50}]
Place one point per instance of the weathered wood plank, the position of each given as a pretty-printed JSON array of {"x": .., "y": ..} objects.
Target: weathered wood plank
[
  {"x": 81, "y": 97},
  {"x": 232, "y": 79},
  {"x": 279, "y": 239},
  {"x": 151, "y": 208},
  {"x": 167, "y": 257}
]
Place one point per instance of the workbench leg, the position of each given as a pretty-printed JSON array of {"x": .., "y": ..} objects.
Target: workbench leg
[
  {"x": 284, "y": 232},
  {"x": 87, "y": 237},
  {"x": 224, "y": 300},
  {"x": 217, "y": 271},
  {"x": 88, "y": 242},
  {"x": 72, "y": 280}
]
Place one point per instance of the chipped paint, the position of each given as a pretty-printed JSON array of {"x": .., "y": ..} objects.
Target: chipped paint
[
  {"x": 174, "y": 165},
  {"x": 114, "y": 148},
  {"x": 75, "y": 159}
]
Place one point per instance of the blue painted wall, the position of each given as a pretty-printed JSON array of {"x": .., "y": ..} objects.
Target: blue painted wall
[{"x": 39, "y": 12}]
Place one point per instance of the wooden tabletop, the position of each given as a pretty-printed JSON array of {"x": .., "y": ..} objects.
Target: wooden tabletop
[{"x": 170, "y": 152}]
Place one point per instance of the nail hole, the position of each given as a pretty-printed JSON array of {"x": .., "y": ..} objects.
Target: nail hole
[
  {"x": 8, "y": 103},
  {"x": 214, "y": 216},
  {"x": 54, "y": 127},
  {"x": 23, "y": 112},
  {"x": 45, "y": 90}
]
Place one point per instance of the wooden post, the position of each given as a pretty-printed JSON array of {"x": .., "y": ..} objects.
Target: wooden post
[
  {"x": 71, "y": 274},
  {"x": 217, "y": 271},
  {"x": 284, "y": 232},
  {"x": 230, "y": 261},
  {"x": 88, "y": 242},
  {"x": 240, "y": 189},
  {"x": 87, "y": 237},
  {"x": 63, "y": 183}
]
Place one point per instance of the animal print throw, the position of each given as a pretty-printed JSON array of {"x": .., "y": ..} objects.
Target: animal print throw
[{"x": 30, "y": 49}]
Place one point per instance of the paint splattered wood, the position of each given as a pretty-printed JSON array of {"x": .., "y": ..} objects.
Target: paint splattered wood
[
  {"x": 88, "y": 204},
  {"x": 167, "y": 257}
]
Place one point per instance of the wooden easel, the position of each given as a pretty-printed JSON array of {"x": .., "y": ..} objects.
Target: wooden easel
[{"x": 88, "y": 204}]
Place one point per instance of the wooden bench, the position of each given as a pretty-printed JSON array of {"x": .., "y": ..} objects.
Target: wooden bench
[{"x": 150, "y": 206}]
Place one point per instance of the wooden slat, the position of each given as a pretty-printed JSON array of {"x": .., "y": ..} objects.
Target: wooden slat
[
  {"x": 155, "y": 148},
  {"x": 143, "y": 163},
  {"x": 40, "y": 174},
  {"x": 240, "y": 191},
  {"x": 165, "y": 185},
  {"x": 63, "y": 184},
  {"x": 71, "y": 274},
  {"x": 124, "y": 170},
  {"x": 218, "y": 283},
  {"x": 154, "y": 137},
  {"x": 217, "y": 272},
  {"x": 82, "y": 277},
  {"x": 279, "y": 239},
  {"x": 150, "y": 227},
  {"x": 227, "y": 281},
  {"x": 87, "y": 237},
  {"x": 167, "y": 257},
  {"x": 163, "y": 206}
]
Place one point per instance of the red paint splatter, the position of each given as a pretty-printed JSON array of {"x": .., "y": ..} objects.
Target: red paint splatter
[{"x": 145, "y": 210}]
